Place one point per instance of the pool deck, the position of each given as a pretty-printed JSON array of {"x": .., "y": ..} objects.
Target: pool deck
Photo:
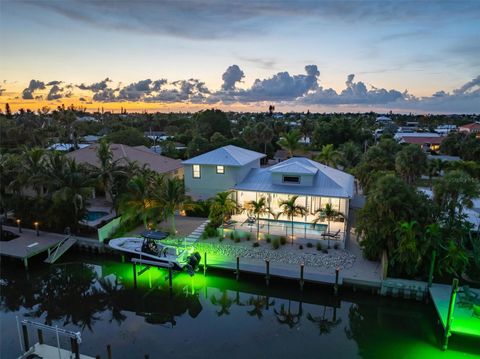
[
  {"x": 463, "y": 322},
  {"x": 29, "y": 244}
]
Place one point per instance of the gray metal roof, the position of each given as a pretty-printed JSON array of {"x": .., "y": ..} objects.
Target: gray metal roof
[
  {"x": 225, "y": 156},
  {"x": 294, "y": 167},
  {"x": 327, "y": 182}
]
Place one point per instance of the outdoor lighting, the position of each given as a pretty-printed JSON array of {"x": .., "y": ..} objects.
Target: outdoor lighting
[
  {"x": 19, "y": 226},
  {"x": 36, "y": 228}
]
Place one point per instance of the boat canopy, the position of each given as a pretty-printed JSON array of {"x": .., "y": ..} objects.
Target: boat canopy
[{"x": 156, "y": 235}]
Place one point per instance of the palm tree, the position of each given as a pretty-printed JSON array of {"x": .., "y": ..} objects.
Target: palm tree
[
  {"x": 408, "y": 252},
  {"x": 328, "y": 156},
  {"x": 350, "y": 155},
  {"x": 224, "y": 302},
  {"x": 137, "y": 200},
  {"x": 274, "y": 214},
  {"x": 291, "y": 209},
  {"x": 289, "y": 141},
  {"x": 259, "y": 303},
  {"x": 71, "y": 188},
  {"x": 222, "y": 205},
  {"x": 328, "y": 213},
  {"x": 32, "y": 172},
  {"x": 170, "y": 193},
  {"x": 108, "y": 170},
  {"x": 258, "y": 208},
  {"x": 434, "y": 167}
]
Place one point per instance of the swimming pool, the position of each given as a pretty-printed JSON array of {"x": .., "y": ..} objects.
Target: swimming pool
[
  {"x": 94, "y": 215},
  {"x": 298, "y": 227}
]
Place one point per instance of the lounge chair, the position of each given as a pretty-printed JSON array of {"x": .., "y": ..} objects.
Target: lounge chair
[{"x": 331, "y": 235}]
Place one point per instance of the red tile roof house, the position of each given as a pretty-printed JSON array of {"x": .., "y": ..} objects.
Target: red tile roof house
[
  {"x": 426, "y": 143},
  {"x": 123, "y": 153},
  {"x": 471, "y": 128}
]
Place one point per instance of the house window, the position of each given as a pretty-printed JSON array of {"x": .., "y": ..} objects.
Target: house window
[
  {"x": 220, "y": 170},
  {"x": 196, "y": 171},
  {"x": 291, "y": 179}
]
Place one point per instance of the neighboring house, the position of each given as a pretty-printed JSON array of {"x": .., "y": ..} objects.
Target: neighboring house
[
  {"x": 445, "y": 129},
  {"x": 471, "y": 128},
  {"x": 426, "y": 143},
  {"x": 218, "y": 170},
  {"x": 399, "y": 135},
  {"x": 316, "y": 185},
  {"x": 123, "y": 153},
  {"x": 65, "y": 147},
  {"x": 156, "y": 135}
]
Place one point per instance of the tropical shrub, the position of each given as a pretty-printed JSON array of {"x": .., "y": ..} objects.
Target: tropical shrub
[
  {"x": 255, "y": 244},
  {"x": 283, "y": 240},
  {"x": 275, "y": 243}
]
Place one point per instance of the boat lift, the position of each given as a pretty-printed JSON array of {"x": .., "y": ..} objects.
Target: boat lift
[{"x": 47, "y": 351}]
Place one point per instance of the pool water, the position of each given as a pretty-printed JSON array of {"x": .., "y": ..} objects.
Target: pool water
[
  {"x": 298, "y": 227},
  {"x": 213, "y": 316},
  {"x": 94, "y": 215}
]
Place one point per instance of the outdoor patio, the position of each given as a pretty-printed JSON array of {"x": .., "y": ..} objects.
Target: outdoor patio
[{"x": 303, "y": 232}]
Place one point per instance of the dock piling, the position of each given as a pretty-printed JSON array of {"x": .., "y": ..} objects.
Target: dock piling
[
  {"x": 451, "y": 308},
  {"x": 335, "y": 287},
  {"x": 205, "y": 263},
  {"x": 267, "y": 277},
  {"x": 170, "y": 279},
  {"x": 302, "y": 282},
  {"x": 109, "y": 351},
  {"x": 134, "y": 275},
  {"x": 26, "y": 344},
  {"x": 40, "y": 336},
  {"x": 237, "y": 272}
]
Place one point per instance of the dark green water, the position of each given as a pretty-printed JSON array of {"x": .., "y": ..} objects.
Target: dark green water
[{"x": 213, "y": 316}]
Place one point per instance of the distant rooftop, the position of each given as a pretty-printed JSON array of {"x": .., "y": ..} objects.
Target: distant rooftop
[
  {"x": 142, "y": 155},
  {"x": 226, "y": 156}
]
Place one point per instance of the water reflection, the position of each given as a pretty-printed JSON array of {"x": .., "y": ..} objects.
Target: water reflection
[{"x": 211, "y": 312}]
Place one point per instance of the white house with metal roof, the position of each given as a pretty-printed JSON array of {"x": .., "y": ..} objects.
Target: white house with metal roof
[
  {"x": 314, "y": 184},
  {"x": 218, "y": 170}
]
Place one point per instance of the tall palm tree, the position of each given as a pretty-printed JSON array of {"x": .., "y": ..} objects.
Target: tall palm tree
[
  {"x": 289, "y": 141},
  {"x": 328, "y": 156},
  {"x": 71, "y": 188},
  {"x": 291, "y": 209},
  {"x": 32, "y": 170},
  {"x": 137, "y": 200},
  {"x": 222, "y": 206},
  {"x": 350, "y": 155},
  {"x": 434, "y": 167},
  {"x": 170, "y": 193},
  {"x": 108, "y": 170},
  {"x": 328, "y": 213},
  {"x": 258, "y": 208}
]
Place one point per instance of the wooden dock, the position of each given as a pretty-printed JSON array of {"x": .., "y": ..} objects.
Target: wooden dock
[
  {"x": 50, "y": 352},
  {"x": 463, "y": 322},
  {"x": 28, "y": 244}
]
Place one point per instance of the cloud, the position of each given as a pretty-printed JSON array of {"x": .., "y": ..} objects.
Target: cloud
[
  {"x": 135, "y": 91},
  {"x": 27, "y": 93},
  {"x": 260, "y": 62},
  {"x": 210, "y": 19},
  {"x": 55, "y": 93},
  {"x": 468, "y": 86},
  {"x": 53, "y": 83},
  {"x": 231, "y": 76},
  {"x": 95, "y": 87}
]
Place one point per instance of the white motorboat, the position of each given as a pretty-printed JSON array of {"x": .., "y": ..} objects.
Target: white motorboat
[{"x": 150, "y": 246}]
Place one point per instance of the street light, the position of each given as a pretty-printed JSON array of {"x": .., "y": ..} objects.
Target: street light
[
  {"x": 36, "y": 228},
  {"x": 18, "y": 224}
]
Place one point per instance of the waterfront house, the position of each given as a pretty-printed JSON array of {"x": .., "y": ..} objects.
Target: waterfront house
[
  {"x": 218, "y": 170},
  {"x": 427, "y": 144},
  {"x": 315, "y": 184}
]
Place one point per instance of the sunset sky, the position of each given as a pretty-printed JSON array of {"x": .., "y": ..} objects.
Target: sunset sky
[{"x": 420, "y": 56}]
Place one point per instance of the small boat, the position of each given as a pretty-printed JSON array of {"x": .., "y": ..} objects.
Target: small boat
[{"x": 150, "y": 246}]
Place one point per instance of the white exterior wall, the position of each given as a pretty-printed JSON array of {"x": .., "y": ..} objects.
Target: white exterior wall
[{"x": 211, "y": 182}]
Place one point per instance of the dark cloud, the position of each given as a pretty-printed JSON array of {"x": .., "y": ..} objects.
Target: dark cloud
[
  {"x": 260, "y": 62},
  {"x": 468, "y": 86},
  {"x": 210, "y": 19},
  {"x": 95, "y": 87},
  {"x": 27, "y": 93},
  {"x": 135, "y": 91},
  {"x": 52, "y": 83},
  {"x": 55, "y": 93},
  {"x": 231, "y": 76}
]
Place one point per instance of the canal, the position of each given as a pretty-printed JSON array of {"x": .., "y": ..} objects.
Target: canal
[{"x": 213, "y": 316}]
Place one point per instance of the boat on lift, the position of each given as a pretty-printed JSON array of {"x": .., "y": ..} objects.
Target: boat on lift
[{"x": 153, "y": 245}]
